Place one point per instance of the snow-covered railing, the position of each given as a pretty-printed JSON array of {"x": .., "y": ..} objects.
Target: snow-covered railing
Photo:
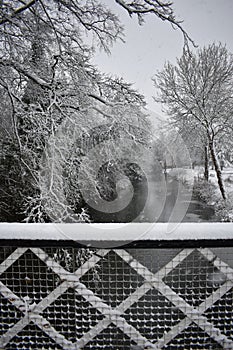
[
  {"x": 113, "y": 235},
  {"x": 136, "y": 286}
]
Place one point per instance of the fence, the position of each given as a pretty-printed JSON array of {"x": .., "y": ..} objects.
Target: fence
[{"x": 161, "y": 291}]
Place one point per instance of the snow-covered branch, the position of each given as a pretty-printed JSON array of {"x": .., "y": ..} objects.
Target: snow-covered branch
[{"x": 7, "y": 18}]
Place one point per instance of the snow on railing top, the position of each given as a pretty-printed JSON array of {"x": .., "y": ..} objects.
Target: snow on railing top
[{"x": 118, "y": 234}]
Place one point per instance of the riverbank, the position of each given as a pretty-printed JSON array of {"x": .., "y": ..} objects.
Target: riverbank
[{"x": 208, "y": 192}]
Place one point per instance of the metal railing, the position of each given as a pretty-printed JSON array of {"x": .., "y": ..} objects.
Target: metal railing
[{"x": 159, "y": 288}]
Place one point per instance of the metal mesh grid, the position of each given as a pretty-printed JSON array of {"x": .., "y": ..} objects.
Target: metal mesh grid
[{"x": 73, "y": 298}]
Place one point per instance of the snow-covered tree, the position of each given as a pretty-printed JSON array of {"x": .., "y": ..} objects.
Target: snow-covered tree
[
  {"x": 195, "y": 140},
  {"x": 198, "y": 90},
  {"x": 47, "y": 79}
]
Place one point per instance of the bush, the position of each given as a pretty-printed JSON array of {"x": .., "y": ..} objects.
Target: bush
[
  {"x": 229, "y": 179},
  {"x": 224, "y": 209},
  {"x": 205, "y": 191}
]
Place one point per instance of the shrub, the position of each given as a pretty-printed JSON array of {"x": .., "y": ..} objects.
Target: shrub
[
  {"x": 205, "y": 191},
  {"x": 224, "y": 209}
]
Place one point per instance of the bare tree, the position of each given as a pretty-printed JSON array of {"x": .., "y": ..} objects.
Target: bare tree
[{"x": 198, "y": 90}]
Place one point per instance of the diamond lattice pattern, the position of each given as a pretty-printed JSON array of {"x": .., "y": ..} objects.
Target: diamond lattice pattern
[{"x": 71, "y": 298}]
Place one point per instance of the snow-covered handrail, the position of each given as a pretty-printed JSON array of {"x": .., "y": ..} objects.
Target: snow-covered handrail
[{"x": 133, "y": 234}]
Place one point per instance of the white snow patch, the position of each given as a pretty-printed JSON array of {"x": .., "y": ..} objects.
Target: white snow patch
[{"x": 114, "y": 232}]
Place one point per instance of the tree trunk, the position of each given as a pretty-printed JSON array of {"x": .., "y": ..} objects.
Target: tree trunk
[
  {"x": 206, "y": 172},
  {"x": 217, "y": 169}
]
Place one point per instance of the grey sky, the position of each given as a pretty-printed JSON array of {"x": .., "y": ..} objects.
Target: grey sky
[{"x": 148, "y": 47}]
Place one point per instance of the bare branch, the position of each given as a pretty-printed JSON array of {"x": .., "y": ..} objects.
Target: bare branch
[
  {"x": 162, "y": 10},
  {"x": 27, "y": 72},
  {"x": 17, "y": 11}
]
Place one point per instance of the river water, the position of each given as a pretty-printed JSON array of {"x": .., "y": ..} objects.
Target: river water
[{"x": 159, "y": 201}]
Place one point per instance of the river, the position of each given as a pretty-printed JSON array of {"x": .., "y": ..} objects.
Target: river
[{"x": 156, "y": 202}]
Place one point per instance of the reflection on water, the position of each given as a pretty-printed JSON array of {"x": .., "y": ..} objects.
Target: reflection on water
[{"x": 154, "y": 201}]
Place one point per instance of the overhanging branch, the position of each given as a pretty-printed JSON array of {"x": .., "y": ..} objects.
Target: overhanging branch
[
  {"x": 17, "y": 11},
  {"x": 26, "y": 72}
]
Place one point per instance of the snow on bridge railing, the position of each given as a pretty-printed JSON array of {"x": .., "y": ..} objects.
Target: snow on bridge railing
[
  {"x": 113, "y": 235},
  {"x": 143, "y": 286},
  {"x": 140, "y": 235}
]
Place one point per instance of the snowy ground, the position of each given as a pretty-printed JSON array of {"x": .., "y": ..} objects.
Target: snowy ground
[
  {"x": 188, "y": 175},
  {"x": 210, "y": 194},
  {"x": 227, "y": 174}
]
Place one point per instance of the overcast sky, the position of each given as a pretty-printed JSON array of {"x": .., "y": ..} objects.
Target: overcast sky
[{"x": 147, "y": 47}]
